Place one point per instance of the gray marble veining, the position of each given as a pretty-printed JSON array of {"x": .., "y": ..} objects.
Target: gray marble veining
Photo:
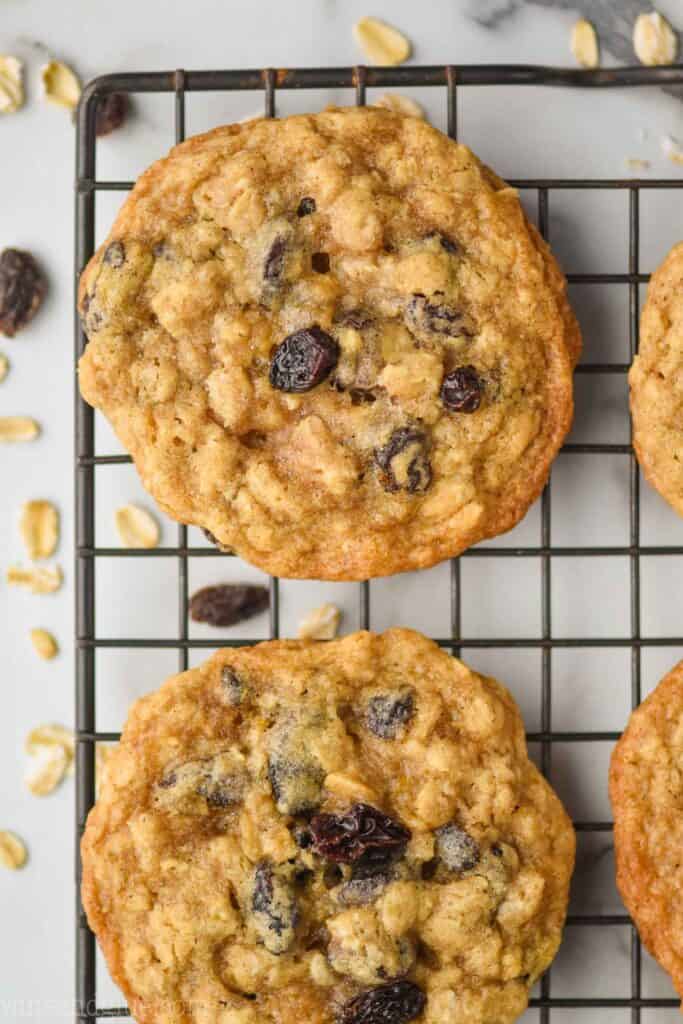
[{"x": 613, "y": 20}]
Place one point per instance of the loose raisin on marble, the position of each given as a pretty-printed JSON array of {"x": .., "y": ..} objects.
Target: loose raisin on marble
[
  {"x": 387, "y": 713},
  {"x": 296, "y": 784},
  {"x": 232, "y": 686},
  {"x": 306, "y": 206},
  {"x": 394, "y": 1003},
  {"x": 274, "y": 264},
  {"x": 22, "y": 290},
  {"x": 435, "y": 318},
  {"x": 462, "y": 389},
  {"x": 404, "y": 461},
  {"x": 320, "y": 262},
  {"x": 228, "y": 603},
  {"x": 115, "y": 255},
  {"x": 347, "y": 838},
  {"x": 110, "y": 113},
  {"x": 457, "y": 850},
  {"x": 303, "y": 360},
  {"x": 273, "y": 905}
]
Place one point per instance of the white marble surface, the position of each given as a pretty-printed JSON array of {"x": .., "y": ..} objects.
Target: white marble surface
[{"x": 524, "y": 132}]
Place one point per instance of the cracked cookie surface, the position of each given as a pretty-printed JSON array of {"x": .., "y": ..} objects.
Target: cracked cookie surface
[
  {"x": 656, "y": 382},
  {"x": 334, "y": 341},
  {"x": 646, "y": 792},
  {"x": 262, "y": 853}
]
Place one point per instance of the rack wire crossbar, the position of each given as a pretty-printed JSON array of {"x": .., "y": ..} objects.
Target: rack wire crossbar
[{"x": 451, "y": 79}]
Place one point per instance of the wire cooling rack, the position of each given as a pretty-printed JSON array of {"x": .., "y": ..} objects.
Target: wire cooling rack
[{"x": 453, "y": 80}]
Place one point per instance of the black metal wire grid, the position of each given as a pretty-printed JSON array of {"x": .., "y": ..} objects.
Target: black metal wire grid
[{"x": 452, "y": 79}]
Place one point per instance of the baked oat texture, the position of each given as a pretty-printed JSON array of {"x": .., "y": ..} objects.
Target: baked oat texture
[
  {"x": 203, "y": 882},
  {"x": 646, "y": 790},
  {"x": 402, "y": 259},
  {"x": 657, "y": 384}
]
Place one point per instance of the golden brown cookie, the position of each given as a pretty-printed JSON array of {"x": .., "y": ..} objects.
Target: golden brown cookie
[
  {"x": 646, "y": 790},
  {"x": 338, "y": 833},
  {"x": 656, "y": 382},
  {"x": 334, "y": 341}
]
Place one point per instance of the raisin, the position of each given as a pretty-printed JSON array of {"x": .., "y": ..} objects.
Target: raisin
[
  {"x": 404, "y": 461},
  {"x": 394, "y": 1003},
  {"x": 362, "y": 396},
  {"x": 219, "y": 780},
  {"x": 274, "y": 908},
  {"x": 228, "y": 603},
  {"x": 457, "y": 850},
  {"x": 303, "y": 838},
  {"x": 296, "y": 784},
  {"x": 232, "y": 686},
  {"x": 306, "y": 206},
  {"x": 448, "y": 244},
  {"x": 387, "y": 713},
  {"x": 355, "y": 318},
  {"x": 462, "y": 389},
  {"x": 220, "y": 792},
  {"x": 303, "y": 360},
  {"x": 22, "y": 290},
  {"x": 274, "y": 264},
  {"x": 360, "y": 891},
  {"x": 364, "y": 830},
  {"x": 115, "y": 255},
  {"x": 320, "y": 262},
  {"x": 435, "y": 318},
  {"x": 111, "y": 113}
]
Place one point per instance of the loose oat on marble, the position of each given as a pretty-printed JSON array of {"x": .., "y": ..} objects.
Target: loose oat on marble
[
  {"x": 381, "y": 43},
  {"x": 44, "y": 579},
  {"x": 321, "y": 623},
  {"x": 137, "y": 527},
  {"x": 44, "y": 644},
  {"x": 11, "y": 84},
  {"x": 400, "y": 104},
  {"x": 18, "y": 428},
  {"x": 584, "y": 44},
  {"x": 60, "y": 85},
  {"x": 13, "y": 852},
  {"x": 654, "y": 40},
  {"x": 39, "y": 528}
]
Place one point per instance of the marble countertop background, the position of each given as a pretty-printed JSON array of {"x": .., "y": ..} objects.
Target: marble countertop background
[{"x": 522, "y": 132}]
